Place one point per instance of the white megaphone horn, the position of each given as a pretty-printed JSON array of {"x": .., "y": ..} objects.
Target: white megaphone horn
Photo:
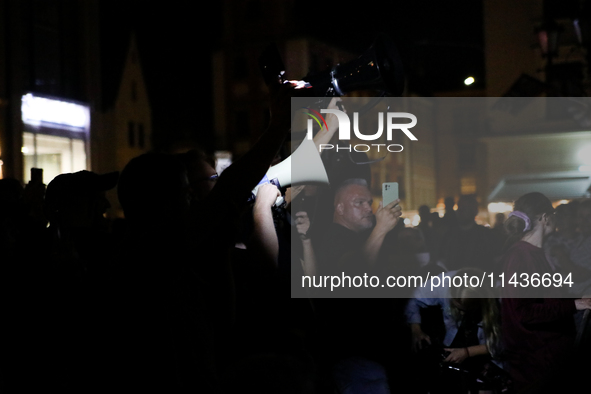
[{"x": 303, "y": 167}]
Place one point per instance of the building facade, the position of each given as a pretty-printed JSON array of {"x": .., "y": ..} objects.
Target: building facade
[
  {"x": 50, "y": 87},
  {"x": 57, "y": 110}
]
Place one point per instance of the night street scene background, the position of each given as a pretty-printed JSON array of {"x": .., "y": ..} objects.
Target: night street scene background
[{"x": 135, "y": 255}]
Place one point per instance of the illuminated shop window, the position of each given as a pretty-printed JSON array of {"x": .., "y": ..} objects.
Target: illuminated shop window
[
  {"x": 54, "y": 136},
  {"x": 55, "y": 155}
]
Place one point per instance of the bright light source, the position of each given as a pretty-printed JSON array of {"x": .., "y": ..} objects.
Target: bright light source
[
  {"x": 416, "y": 220},
  {"x": 25, "y": 150},
  {"x": 40, "y": 110},
  {"x": 499, "y": 207},
  {"x": 407, "y": 221},
  {"x": 469, "y": 81}
]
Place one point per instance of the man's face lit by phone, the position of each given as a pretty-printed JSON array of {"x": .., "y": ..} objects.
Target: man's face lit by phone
[{"x": 353, "y": 208}]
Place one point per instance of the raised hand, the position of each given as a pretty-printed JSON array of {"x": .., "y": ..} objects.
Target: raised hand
[
  {"x": 266, "y": 196},
  {"x": 387, "y": 217},
  {"x": 302, "y": 224}
]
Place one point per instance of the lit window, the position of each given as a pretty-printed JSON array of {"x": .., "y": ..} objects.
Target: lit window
[{"x": 55, "y": 155}]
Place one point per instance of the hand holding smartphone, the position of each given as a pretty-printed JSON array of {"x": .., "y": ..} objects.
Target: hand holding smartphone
[{"x": 389, "y": 192}]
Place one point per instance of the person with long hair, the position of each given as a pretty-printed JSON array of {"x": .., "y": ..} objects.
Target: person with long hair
[
  {"x": 472, "y": 335},
  {"x": 537, "y": 325},
  {"x": 479, "y": 305}
]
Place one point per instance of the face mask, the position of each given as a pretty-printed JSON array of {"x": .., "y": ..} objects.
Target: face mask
[{"x": 423, "y": 258}]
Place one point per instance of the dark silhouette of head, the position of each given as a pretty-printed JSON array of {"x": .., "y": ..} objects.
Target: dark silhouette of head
[
  {"x": 467, "y": 210},
  {"x": 449, "y": 204},
  {"x": 154, "y": 189},
  {"x": 77, "y": 200},
  {"x": 411, "y": 240},
  {"x": 425, "y": 214},
  {"x": 499, "y": 220},
  {"x": 435, "y": 219}
]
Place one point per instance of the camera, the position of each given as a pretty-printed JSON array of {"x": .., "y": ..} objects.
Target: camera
[{"x": 379, "y": 68}]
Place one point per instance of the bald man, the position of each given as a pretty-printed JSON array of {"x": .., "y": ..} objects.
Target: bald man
[
  {"x": 358, "y": 331},
  {"x": 354, "y": 239}
]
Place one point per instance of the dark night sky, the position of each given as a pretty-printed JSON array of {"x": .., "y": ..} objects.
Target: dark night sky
[
  {"x": 440, "y": 42},
  {"x": 174, "y": 52}
]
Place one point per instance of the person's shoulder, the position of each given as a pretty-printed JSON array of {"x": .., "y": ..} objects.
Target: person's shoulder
[
  {"x": 451, "y": 231},
  {"x": 521, "y": 247},
  {"x": 521, "y": 251}
]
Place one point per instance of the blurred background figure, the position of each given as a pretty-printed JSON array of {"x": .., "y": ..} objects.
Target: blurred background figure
[
  {"x": 499, "y": 235},
  {"x": 499, "y": 221},
  {"x": 410, "y": 254},
  {"x": 468, "y": 244},
  {"x": 429, "y": 228},
  {"x": 562, "y": 240},
  {"x": 449, "y": 219}
]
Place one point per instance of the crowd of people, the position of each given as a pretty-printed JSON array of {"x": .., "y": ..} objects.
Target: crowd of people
[
  {"x": 464, "y": 338},
  {"x": 191, "y": 291}
]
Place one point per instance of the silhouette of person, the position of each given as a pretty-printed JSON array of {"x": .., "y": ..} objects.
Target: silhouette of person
[
  {"x": 183, "y": 224},
  {"x": 468, "y": 244},
  {"x": 79, "y": 253},
  {"x": 537, "y": 325}
]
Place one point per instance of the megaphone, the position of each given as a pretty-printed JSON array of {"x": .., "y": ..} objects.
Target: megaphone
[
  {"x": 379, "y": 68},
  {"x": 303, "y": 167}
]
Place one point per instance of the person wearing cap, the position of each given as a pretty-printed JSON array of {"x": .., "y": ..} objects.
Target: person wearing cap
[
  {"x": 77, "y": 200},
  {"x": 77, "y": 262},
  {"x": 75, "y": 205}
]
